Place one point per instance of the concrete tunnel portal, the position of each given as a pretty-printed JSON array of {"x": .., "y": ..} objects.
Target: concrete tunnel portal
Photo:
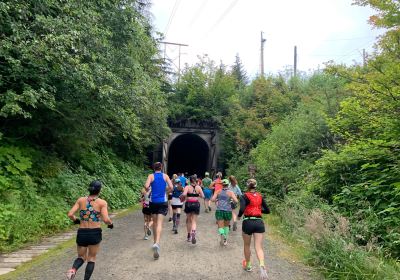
[{"x": 188, "y": 153}]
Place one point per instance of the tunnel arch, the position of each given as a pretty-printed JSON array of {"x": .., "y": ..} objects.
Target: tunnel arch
[{"x": 188, "y": 153}]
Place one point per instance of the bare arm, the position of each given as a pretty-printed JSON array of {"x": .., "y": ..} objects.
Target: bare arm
[
  {"x": 72, "y": 211},
  {"x": 200, "y": 191},
  {"x": 214, "y": 197},
  {"x": 150, "y": 179},
  {"x": 170, "y": 187},
  {"x": 104, "y": 214},
  {"x": 233, "y": 196}
]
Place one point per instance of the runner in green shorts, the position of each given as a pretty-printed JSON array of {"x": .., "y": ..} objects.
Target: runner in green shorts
[{"x": 223, "y": 214}]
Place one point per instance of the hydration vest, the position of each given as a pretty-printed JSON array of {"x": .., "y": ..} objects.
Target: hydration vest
[{"x": 253, "y": 208}]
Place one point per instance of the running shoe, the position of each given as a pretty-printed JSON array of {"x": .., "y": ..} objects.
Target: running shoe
[
  {"x": 71, "y": 274},
  {"x": 193, "y": 236},
  {"x": 189, "y": 238},
  {"x": 176, "y": 231},
  {"x": 169, "y": 220},
  {"x": 148, "y": 231},
  {"x": 234, "y": 228},
  {"x": 246, "y": 267},
  {"x": 263, "y": 273},
  {"x": 225, "y": 242},
  {"x": 209, "y": 208},
  {"x": 146, "y": 237},
  {"x": 222, "y": 239},
  {"x": 156, "y": 251}
]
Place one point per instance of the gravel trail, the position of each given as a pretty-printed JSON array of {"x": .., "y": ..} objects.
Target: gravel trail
[{"x": 125, "y": 255}]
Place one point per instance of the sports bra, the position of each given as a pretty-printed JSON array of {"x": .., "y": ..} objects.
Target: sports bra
[
  {"x": 89, "y": 214},
  {"x": 194, "y": 193}
]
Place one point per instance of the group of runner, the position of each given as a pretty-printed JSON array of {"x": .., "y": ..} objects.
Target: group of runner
[{"x": 160, "y": 196}]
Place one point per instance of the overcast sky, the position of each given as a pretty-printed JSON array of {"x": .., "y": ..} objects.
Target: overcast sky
[{"x": 322, "y": 30}]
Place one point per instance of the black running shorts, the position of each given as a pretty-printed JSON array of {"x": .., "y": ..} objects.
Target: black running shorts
[
  {"x": 176, "y": 206},
  {"x": 146, "y": 211},
  {"x": 253, "y": 226},
  {"x": 159, "y": 208},
  {"x": 88, "y": 236},
  {"x": 192, "y": 207}
]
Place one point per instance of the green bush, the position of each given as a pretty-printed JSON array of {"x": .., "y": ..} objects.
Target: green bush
[
  {"x": 39, "y": 190},
  {"x": 327, "y": 240}
]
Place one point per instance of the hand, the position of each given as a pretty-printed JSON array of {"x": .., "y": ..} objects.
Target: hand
[
  {"x": 110, "y": 226},
  {"x": 77, "y": 221}
]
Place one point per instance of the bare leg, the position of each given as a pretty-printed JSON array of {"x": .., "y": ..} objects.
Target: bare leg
[
  {"x": 157, "y": 227},
  {"x": 194, "y": 222},
  {"x": 258, "y": 245},
  {"x": 246, "y": 247},
  {"x": 189, "y": 223}
]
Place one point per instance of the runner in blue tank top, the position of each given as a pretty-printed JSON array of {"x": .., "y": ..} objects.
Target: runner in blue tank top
[{"x": 160, "y": 185}]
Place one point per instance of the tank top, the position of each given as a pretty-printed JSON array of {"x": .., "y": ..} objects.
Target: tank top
[
  {"x": 218, "y": 184},
  {"x": 253, "y": 209},
  {"x": 158, "y": 186},
  {"x": 176, "y": 193},
  {"x": 224, "y": 201}
]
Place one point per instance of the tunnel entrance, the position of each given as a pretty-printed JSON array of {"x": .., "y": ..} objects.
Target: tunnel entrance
[{"x": 188, "y": 153}]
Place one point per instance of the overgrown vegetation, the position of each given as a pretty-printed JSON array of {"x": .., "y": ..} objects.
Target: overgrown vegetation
[
  {"x": 79, "y": 82},
  {"x": 326, "y": 149}
]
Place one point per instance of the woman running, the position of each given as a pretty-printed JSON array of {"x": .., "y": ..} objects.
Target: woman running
[
  {"x": 192, "y": 207},
  {"x": 234, "y": 187},
  {"x": 216, "y": 185},
  {"x": 148, "y": 221},
  {"x": 89, "y": 236},
  {"x": 253, "y": 205},
  {"x": 177, "y": 204},
  {"x": 174, "y": 176},
  {"x": 223, "y": 214}
]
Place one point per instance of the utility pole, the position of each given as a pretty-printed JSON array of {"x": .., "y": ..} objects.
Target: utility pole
[
  {"x": 262, "y": 53},
  {"x": 179, "y": 56},
  {"x": 295, "y": 62},
  {"x": 364, "y": 54}
]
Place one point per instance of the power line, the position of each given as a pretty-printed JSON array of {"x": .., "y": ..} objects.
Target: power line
[
  {"x": 171, "y": 16},
  {"x": 199, "y": 11},
  {"x": 225, "y": 13}
]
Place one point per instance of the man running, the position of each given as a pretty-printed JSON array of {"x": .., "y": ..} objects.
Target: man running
[
  {"x": 223, "y": 214},
  {"x": 207, "y": 192},
  {"x": 160, "y": 184}
]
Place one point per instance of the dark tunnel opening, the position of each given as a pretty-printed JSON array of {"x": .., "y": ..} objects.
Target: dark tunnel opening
[{"x": 188, "y": 153}]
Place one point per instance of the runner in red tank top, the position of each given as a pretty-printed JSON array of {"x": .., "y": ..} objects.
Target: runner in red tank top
[{"x": 253, "y": 205}]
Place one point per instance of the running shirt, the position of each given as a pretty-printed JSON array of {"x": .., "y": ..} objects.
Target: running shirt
[
  {"x": 176, "y": 196},
  {"x": 206, "y": 182},
  {"x": 224, "y": 201},
  {"x": 183, "y": 180},
  {"x": 158, "y": 187},
  {"x": 146, "y": 200},
  {"x": 235, "y": 189},
  {"x": 218, "y": 184}
]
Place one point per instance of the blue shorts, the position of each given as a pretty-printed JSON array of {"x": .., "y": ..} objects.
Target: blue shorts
[{"x": 207, "y": 193}]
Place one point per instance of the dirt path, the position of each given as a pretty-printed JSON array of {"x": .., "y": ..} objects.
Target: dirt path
[{"x": 125, "y": 255}]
